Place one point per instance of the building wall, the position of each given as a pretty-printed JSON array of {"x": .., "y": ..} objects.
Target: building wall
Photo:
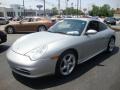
[
  {"x": 117, "y": 13},
  {"x": 17, "y": 10},
  {"x": 2, "y": 12}
]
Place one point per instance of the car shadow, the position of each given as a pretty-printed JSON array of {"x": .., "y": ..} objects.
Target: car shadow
[
  {"x": 51, "y": 80},
  {"x": 3, "y": 48}
]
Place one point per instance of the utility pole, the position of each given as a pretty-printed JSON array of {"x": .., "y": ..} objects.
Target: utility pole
[
  {"x": 44, "y": 9},
  {"x": 72, "y": 8},
  {"x": 77, "y": 7},
  {"x": 59, "y": 7}
]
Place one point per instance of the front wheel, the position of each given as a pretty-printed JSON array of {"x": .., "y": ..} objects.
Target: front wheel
[
  {"x": 111, "y": 45},
  {"x": 66, "y": 64},
  {"x": 41, "y": 28}
]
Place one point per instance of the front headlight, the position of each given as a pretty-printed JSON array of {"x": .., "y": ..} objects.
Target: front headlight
[{"x": 35, "y": 54}]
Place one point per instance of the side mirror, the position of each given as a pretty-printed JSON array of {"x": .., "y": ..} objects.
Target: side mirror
[{"x": 91, "y": 32}]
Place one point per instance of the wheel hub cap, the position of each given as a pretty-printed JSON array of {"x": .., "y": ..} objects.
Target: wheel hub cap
[{"x": 67, "y": 64}]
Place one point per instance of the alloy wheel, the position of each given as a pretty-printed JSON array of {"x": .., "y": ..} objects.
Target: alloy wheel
[
  {"x": 111, "y": 44},
  {"x": 67, "y": 64}
]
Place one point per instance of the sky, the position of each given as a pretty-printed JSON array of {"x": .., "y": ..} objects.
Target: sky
[{"x": 53, "y": 3}]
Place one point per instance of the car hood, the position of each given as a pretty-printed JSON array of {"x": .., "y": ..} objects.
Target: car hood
[{"x": 35, "y": 40}]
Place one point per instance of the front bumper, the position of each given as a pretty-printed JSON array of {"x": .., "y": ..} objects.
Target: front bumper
[
  {"x": 22, "y": 65},
  {"x": 3, "y": 37}
]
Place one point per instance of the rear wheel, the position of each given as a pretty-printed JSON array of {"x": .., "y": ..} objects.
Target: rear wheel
[
  {"x": 41, "y": 28},
  {"x": 66, "y": 64},
  {"x": 10, "y": 30},
  {"x": 111, "y": 45}
]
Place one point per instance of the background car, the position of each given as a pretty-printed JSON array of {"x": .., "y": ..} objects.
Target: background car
[
  {"x": 118, "y": 21},
  {"x": 56, "y": 18},
  {"x": 29, "y": 24},
  {"x": 53, "y": 53},
  {"x": 110, "y": 20},
  {"x": 3, "y": 21},
  {"x": 17, "y": 18},
  {"x": 3, "y": 37}
]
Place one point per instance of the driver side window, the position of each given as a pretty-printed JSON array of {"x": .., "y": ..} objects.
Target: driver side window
[{"x": 93, "y": 25}]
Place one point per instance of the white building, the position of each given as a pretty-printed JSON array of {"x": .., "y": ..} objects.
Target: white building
[{"x": 16, "y": 10}]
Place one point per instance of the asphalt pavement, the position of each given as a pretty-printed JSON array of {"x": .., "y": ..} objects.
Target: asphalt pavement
[{"x": 100, "y": 73}]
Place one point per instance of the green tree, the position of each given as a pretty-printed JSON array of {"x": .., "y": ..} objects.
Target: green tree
[
  {"x": 72, "y": 11},
  {"x": 55, "y": 11},
  {"x": 105, "y": 10},
  {"x": 95, "y": 11}
]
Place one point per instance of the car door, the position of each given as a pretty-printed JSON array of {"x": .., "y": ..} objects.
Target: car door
[
  {"x": 28, "y": 25},
  {"x": 92, "y": 44},
  {"x": 104, "y": 35}
]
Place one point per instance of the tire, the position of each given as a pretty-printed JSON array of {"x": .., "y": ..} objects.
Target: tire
[
  {"x": 111, "y": 45},
  {"x": 10, "y": 30},
  {"x": 66, "y": 64},
  {"x": 41, "y": 28}
]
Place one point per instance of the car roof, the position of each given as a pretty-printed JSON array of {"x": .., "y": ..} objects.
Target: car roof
[{"x": 84, "y": 19}]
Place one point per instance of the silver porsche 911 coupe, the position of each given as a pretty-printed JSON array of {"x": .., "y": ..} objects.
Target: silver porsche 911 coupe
[{"x": 58, "y": 50}]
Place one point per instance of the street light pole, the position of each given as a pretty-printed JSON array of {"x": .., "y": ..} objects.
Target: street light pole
[{"x": 23, "y": 8}]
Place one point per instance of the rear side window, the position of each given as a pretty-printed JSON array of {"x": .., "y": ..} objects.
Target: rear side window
[
  {"x": 102, "y": 26},
  {"x": 93, "y": 25},
  {"x": 96, "y": 25}
]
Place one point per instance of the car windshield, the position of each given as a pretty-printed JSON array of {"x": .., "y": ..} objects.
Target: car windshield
[
  {"x": 69, "y": 26},
  {"x": 110, "y": 19}
]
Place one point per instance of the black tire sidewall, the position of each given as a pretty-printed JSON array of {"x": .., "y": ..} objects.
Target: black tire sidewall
[
  {"x": 40, "y": 27},
  {"x": 57, "y": 69}
]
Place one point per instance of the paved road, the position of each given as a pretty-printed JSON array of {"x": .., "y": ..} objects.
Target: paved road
[{"x": 99, "y": 73}]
